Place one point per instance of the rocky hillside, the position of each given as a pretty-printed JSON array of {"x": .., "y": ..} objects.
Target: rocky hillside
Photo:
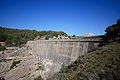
[
  {"x": 19, "y": 64},
  {"x": 102, "y": 64},
  {"x": 17, "y": 37}
]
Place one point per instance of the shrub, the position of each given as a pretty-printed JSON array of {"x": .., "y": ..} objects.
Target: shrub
[
  {"x": 14, "y": 64},
  {"x": 2, "y": 48}
]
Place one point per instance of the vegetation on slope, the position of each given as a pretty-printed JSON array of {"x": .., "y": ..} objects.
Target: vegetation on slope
[
  {"x": 14, "y": 64},
  {"x": 39, "y": 78},
  {"x": 102, "y": 64},
  {"x": 2, "y": 48},
  {"x": 16, "y": 37}
]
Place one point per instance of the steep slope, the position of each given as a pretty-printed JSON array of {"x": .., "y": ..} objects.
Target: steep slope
[{"x": 102, "y": 64}]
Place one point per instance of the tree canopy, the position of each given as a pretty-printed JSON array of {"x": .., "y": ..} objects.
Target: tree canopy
[{"x": 113, "y": 32}]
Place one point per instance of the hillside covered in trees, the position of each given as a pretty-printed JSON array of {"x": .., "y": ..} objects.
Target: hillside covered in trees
[
  {"x": 101, "y": 64},
  {"x": 16, "y": 37}
]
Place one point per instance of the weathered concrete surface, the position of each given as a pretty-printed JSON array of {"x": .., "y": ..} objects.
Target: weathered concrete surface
[{"x": 53, "y": 53}]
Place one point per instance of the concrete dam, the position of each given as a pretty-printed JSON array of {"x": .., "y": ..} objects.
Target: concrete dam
[{"x": 53, "y": 53}]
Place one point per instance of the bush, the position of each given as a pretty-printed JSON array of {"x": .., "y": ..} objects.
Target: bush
[
  {"x": 2, "y": 48},
  {"x": 14, "y": 64},
  {"x": 38, "y": 78}
]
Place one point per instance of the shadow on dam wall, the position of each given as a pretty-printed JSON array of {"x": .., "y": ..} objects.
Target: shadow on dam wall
[{"x": 53, "y": 53}]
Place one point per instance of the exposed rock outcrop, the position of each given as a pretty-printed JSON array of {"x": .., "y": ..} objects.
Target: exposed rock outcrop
[{"x": 19, "y": 65}]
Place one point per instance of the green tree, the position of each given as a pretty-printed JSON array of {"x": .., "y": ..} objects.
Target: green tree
[
  {"x": 73, "y": 36},
  {"x": 113, "y": 32},
  {"x": 118, "y": 21}
]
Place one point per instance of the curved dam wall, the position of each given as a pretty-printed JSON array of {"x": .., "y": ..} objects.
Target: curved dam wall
[{"x": 53, "y": 53}]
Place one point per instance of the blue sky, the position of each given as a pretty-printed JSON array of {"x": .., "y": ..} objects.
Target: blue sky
[{"x": 71, "y": 16}]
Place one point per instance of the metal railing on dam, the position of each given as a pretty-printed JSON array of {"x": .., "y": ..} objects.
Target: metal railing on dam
[
  {"x": 77, "y": 40},
  {"x": 53, "y": 53}
]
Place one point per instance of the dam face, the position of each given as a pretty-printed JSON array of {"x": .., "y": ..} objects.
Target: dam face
[{"x": 53, "y": 53}]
